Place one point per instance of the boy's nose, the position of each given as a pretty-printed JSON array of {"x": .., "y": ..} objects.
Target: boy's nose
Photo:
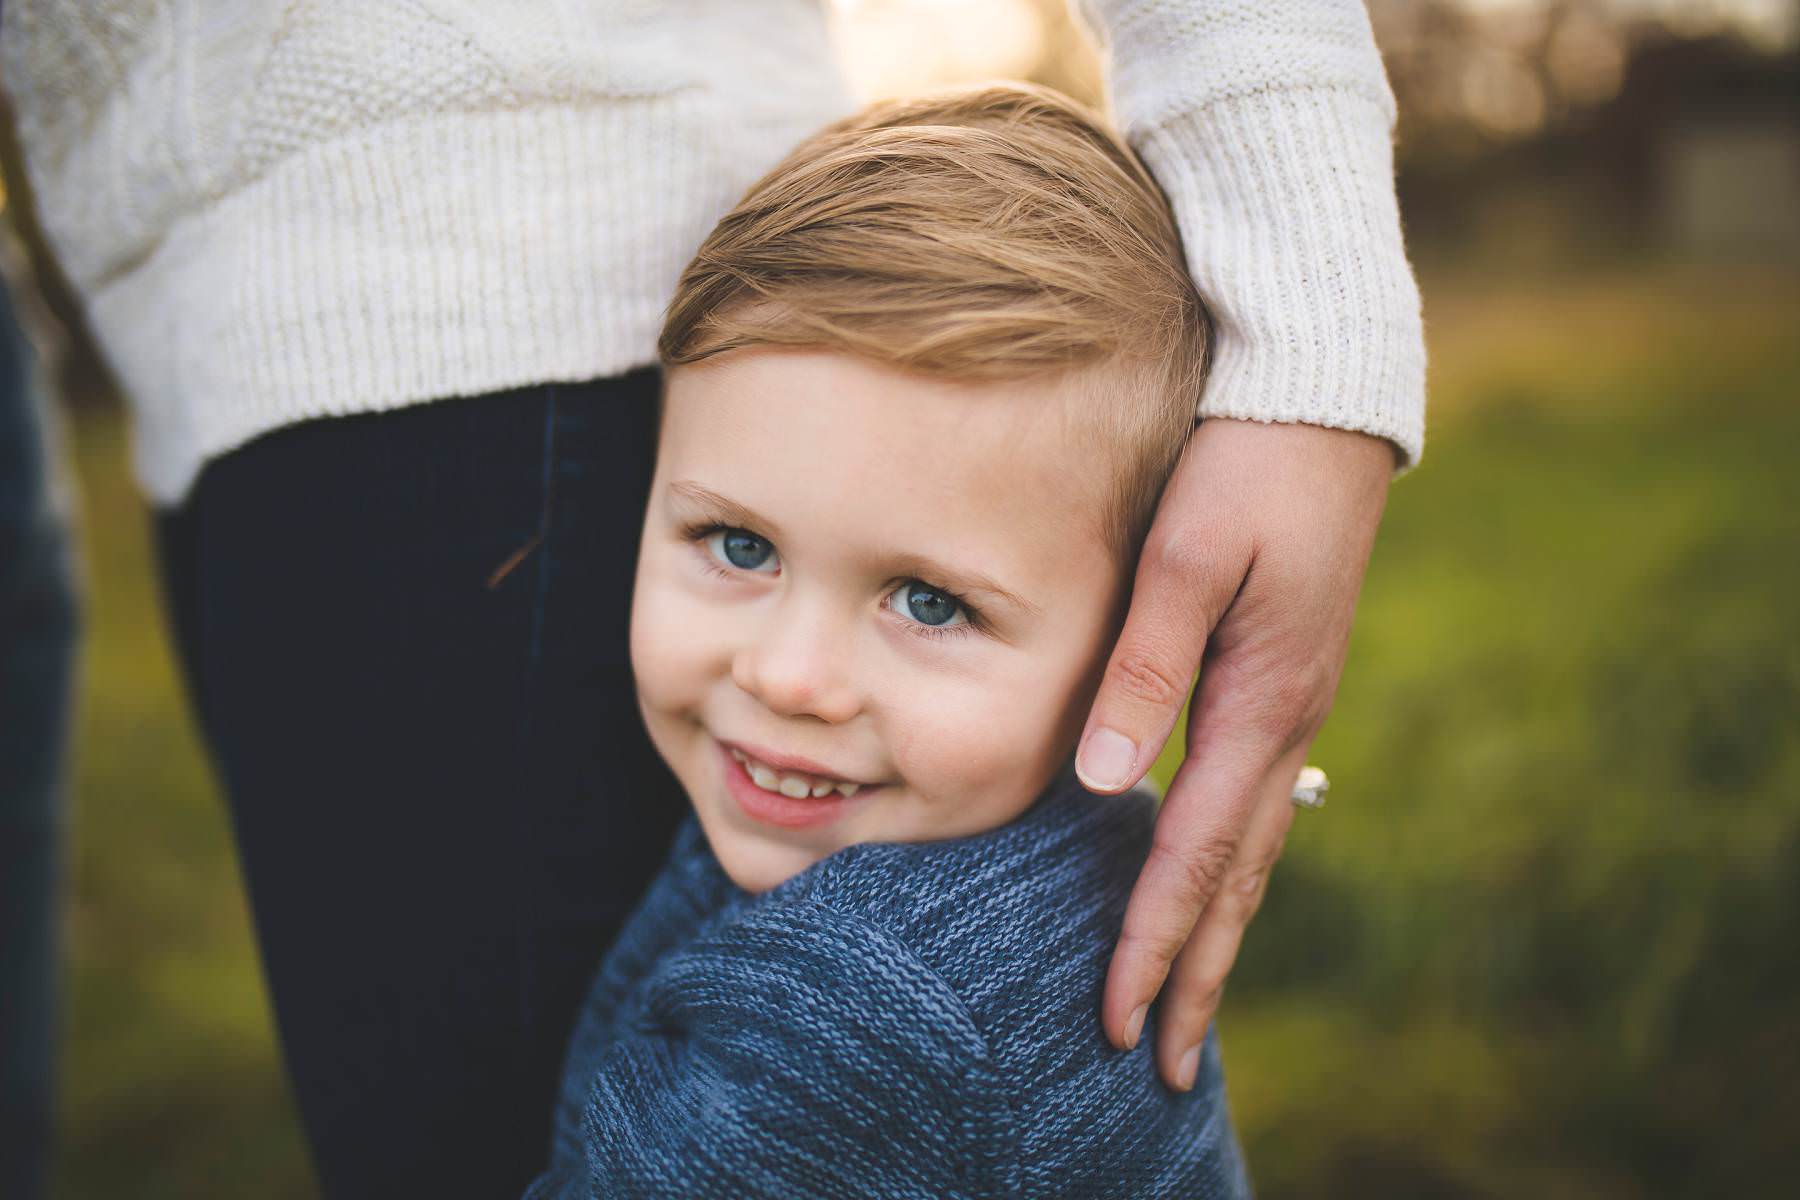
[{"x": 798, "y": 668}]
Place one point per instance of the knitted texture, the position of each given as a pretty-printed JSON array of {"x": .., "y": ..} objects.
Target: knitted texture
[
  {"x": 275, "y": 210},
  {"x": 896, "y": 1021},
  {"x": 1269, "y": 127}
]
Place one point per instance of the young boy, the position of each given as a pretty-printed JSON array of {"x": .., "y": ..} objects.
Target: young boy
[{"x": 924, "y": 386}]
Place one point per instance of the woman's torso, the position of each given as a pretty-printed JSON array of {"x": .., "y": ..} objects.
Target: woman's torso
[{"x": 275, "y": 211}]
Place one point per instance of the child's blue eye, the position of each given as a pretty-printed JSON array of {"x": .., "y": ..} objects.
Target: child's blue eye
[
  {"x": 927, "y": 605},
  {"x": 740, "y": 548}
]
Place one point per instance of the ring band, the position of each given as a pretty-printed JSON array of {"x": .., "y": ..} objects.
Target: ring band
[{"x": 1310, "y": 788}]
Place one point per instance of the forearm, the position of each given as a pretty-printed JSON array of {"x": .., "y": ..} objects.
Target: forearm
[{"x": 1269, "y": 129}]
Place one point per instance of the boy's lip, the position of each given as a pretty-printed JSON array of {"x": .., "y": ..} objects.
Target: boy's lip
[
  {"x": 790, "y": 762},
  {"x": 775, "y": 808}
]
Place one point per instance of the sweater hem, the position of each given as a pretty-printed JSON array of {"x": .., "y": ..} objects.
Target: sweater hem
[{"x": 410, "y": 263}]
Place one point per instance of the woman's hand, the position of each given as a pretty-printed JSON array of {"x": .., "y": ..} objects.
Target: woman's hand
[{"x": 1254, "y": 561}]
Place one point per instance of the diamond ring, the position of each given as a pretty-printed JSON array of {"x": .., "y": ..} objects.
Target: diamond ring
[{"x": 1310, "y": 788}]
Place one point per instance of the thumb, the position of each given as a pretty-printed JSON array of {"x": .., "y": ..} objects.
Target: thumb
[{"x": 1183, "y": 586}]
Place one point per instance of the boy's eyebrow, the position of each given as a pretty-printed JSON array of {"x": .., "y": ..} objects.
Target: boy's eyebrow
[
  {"x": 969, "y": 584},
  {"x": 724, "y": 508}
]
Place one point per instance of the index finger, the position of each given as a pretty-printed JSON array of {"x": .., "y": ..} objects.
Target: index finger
[{"x": 1174, "y": 606}]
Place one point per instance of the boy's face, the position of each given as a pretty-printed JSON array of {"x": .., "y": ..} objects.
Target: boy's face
[{"x": 854, "y": 575}]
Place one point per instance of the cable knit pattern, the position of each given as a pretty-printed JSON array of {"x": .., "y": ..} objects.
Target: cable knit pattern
[
  {"x": 276, "y": 210},
  {"x": 911, "y": 1021}
]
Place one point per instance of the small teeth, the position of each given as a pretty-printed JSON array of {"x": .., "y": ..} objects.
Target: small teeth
[{"x": 789, "y": 783}]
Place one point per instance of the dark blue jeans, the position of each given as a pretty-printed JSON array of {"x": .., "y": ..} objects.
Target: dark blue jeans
[
  {"x": 406, "y": 637},
  {"x": 37, "y": 641}
]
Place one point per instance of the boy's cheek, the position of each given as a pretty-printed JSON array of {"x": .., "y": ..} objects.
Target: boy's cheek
[
  {"x": 668, "y": 646},
  {"x": 973, "y": 741}
]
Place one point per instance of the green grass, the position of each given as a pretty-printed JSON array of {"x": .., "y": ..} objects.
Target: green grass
[{"x": 1540, "y": 943}]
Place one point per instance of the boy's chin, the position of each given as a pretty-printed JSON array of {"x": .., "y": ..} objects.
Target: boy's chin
[{"x": 755, "y": 863}]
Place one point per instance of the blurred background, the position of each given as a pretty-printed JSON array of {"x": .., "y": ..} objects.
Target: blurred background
[{"x": 1546, "y": 939}]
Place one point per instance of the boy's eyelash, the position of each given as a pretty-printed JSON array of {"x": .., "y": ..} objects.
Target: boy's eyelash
[
  {"x": 693, "y": 531},
  {"x": 698, "y": 531}
]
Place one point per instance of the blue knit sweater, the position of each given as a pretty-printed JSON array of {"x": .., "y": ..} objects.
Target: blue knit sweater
[{"x": 898, "y": 1020}]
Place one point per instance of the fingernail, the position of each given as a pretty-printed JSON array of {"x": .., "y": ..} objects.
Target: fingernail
[
  {"x": 1105, "y": 760},
  {"x": 1135, "y": 1026},
  {"x": 1190, "y": 1067}
]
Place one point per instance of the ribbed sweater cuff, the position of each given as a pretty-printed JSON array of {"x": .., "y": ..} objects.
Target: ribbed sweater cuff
[{"x": 1285, "y": 200}]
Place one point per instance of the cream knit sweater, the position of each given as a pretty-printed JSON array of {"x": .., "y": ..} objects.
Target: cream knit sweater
[{"x": 275, "y": 210}]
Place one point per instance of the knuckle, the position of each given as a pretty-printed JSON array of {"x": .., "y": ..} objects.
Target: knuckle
[
  {"x": 1296, "y": 700},
  {"x": 1291, "y": 695},
  {"x": 1242, "y": 898},
  {"x": 1267, "y": 860},
  {"x": 1199, "y": 1004},
  {"x": 1324, "y": 695},
  {"x": 1198, "y": 872},
  {"x": 1159, "y": 946},
  {"x": 1142, "y": 675},
  {"x": 1249, "y": 885},
  {"x": 1317, "y": 682},
  {"x": 1183, "y": 553}
]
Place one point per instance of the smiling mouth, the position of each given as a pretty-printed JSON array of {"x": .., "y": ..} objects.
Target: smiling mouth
[{"x": 795, "y": 785}]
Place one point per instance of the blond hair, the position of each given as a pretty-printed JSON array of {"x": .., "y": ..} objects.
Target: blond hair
[{"x": 995, "y": 233}]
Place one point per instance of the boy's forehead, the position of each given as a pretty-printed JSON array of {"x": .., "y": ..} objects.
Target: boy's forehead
[
  {"x": 835, "y": 440},
  {"x": 979, "y": 436}
]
